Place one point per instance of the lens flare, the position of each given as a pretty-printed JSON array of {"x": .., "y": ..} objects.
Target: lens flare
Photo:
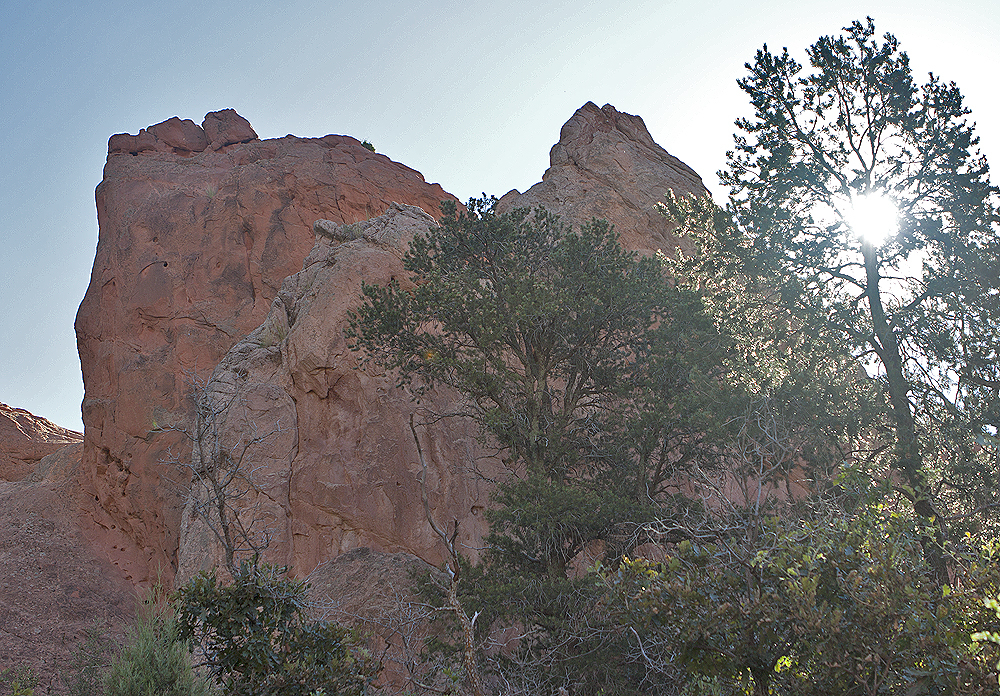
[{"x": 873, "y": 217}]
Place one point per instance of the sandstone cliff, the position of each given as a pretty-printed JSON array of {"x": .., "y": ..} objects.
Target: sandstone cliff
[
  {"x": 199, "y": 226},
  {"x": 334, "y": 463}
]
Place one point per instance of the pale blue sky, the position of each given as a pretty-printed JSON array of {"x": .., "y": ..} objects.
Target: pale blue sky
[{"x": 472, "y": 94}]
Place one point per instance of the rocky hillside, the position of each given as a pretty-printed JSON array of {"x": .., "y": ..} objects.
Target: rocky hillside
[
  {"x": 56, "y": 580},
  {"x": 25, "y": 439}
]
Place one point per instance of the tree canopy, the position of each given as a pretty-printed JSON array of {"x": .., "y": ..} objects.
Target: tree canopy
[{"x": 917, "y": 304}]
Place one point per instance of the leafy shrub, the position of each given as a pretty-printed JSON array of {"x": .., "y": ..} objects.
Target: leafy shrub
[
  {"x": 827, "y": 606},
  {"x": 21, "y": 680},
  {"x": 154, "y": 661},
  {"x": 255, "y": 638}
]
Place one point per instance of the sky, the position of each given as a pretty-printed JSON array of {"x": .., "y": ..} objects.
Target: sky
[{"x": 471, "y": 94}]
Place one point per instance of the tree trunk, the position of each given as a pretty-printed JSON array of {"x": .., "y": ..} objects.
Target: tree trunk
[{"x": 909, "y": 460}]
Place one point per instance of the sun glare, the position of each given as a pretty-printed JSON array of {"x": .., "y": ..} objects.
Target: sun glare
[{"x": 873, "y": 217}]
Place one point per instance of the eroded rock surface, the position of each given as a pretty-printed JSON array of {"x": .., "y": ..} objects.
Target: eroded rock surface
[
  {"x": 335, "y": 460},
  {"x": 606, "y": 165},
  {"x": 339, "y": 468},
  {"x": 199, "y": 226},
  {"x": 377, "y": 592}
]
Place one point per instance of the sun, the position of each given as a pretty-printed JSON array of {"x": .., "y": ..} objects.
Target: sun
[{"x": 873, "y": 217}]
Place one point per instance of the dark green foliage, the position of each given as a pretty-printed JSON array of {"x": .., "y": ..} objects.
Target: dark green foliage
[
  {"x": 255, "y": 638},
  {"x": 538, "y": 527},
  {"x": 367, "y": 145},
  {"x": 154, "y": 661},
  {"x": 988, "y": 636},
  {"x": 607, "y": 390},
  {"x": 535, "y": 324},
  {"x": 549, "y": 333},
  {"x": 826, "y": 530},
  {"x": 871, "y": 587},
  {"x": 541, "y": 328}
]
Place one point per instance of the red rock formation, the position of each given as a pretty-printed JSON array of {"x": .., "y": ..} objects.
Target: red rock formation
[
  {"x": 25, "y": 439},
  {"x": 194, "y": 247},
  {"x": 606, "y": 165},
  {"x": 227, "y": 127},
  {"x": 197, "y": 231}
]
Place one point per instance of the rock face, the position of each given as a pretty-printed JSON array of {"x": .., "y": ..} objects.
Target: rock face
[
  {"x": 25, "y": 439},
  {"x": 606, "y": 165},
  {"x": 199, "y": 226},
  {"x": 335, "y": 462},
  {"x": 375, "y": 592}
]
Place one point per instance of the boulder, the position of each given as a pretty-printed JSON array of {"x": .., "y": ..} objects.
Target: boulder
[
  {"x": 193, "y": 247},
  {"x": 227, "y": 127}
]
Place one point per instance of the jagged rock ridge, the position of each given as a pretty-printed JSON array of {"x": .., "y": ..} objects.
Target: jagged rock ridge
[
  {"x": 25, "y": 439},
  {"x": 219, "y": 129}
]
